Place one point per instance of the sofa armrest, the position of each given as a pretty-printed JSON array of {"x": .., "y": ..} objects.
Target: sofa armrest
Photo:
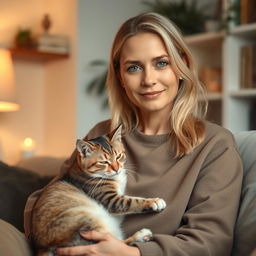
[{"x": 245, "y": 231}]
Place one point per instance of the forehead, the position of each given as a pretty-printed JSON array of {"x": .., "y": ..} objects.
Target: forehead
[{"x": 143, "y": 45}]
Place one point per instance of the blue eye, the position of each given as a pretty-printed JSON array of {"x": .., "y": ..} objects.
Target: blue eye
[
  {"x": 133, "y": 68},
  {"x": 162, "y": 63}
]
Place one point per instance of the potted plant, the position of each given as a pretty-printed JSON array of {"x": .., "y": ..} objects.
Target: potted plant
[{"x": 187, "y": 15}]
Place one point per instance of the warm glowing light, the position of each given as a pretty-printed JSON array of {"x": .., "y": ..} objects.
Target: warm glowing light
[
  {"x": 8, "y": 106},
  {"x": 7, "y": 83},
  {"x": 28, "y": 147},
  {"x": 28, "y": 143}
]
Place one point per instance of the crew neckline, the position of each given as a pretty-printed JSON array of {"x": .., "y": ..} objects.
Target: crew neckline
[{"x": 149, "y": 139}]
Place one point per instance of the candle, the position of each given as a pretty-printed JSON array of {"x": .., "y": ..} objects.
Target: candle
[{"x": 27, "y": 148}]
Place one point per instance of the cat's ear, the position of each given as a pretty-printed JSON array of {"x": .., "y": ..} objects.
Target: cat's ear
[
  {"x": 116, "y": 135},
  {"x": 83, "y": 148}
]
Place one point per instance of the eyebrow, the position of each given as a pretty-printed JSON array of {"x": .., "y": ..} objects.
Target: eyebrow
[{"x": 138, "y": 62}]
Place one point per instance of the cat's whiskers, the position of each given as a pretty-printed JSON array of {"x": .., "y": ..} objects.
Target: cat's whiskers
[
  {"x": 131, "y": 167},
  {"x": 130, "y": 171}
]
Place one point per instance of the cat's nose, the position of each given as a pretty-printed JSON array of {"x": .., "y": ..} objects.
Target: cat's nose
[{"x": 115, "y": 166}]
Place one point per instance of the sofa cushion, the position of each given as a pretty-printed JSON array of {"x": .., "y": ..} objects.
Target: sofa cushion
[
  {"x": 13, "y": 242},
  {"x": 43, "y": 165},
  {"x": 245, "y": 232},
  {"x": 16, "y": 184}
]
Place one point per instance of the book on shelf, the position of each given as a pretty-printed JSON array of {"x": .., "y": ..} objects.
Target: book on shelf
[
  {"x": 248, "y": 66},
  {"x": 211, "y": 78},
  {"x": 247, "y": 11},
  {"x": 53, "y": 43},
  {"x": 53, "y": 49}
]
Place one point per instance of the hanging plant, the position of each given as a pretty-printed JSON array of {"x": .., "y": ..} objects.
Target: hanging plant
[{"x": 97, "y": 85}]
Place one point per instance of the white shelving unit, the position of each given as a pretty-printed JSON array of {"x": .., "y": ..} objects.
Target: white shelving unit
[{"x": 229, "y": 108}]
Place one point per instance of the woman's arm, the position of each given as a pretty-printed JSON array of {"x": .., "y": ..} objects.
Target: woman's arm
[{"x": 208, "y": 222}]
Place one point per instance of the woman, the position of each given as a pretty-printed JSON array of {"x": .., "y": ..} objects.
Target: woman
[{"x": 174, "y": 154}]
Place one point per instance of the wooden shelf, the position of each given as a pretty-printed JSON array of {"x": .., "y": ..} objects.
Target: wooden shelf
[
  {"x": 244, "y": 31},
  {"x": 35, "y": 55},
  {"x": 205, "y": 38},
  {"x": 244, "y": 93}
]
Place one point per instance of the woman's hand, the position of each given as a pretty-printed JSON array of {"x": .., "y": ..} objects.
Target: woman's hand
[{"x": 106, "y": 245}]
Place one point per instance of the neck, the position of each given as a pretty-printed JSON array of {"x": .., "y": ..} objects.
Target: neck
[{"x": 154, "y": 124}]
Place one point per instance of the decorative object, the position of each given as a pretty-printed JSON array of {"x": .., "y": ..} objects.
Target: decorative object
[
  {"x": 212, "y": 25},
  {"x": 27, "y": 148},
  {"x": 187, "y": 15},
  {"x": 46, "y": 23},
  {"x": 24, "y": 39},
  {"x": 211, "y": 78},
  {"x": 231, "y": 16},
  {"x": 52, "y": 43}
]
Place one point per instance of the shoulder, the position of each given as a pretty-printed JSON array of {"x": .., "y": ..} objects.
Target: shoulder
[
  {"x": 215, "y": 134},
  {"x": 99, "y": 129}
]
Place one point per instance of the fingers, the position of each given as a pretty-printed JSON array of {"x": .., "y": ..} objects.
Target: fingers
[
  {"x": 76, "y": 250},
  {"x": 95, "y": 236},
  {"x": 84, "y": 249}
]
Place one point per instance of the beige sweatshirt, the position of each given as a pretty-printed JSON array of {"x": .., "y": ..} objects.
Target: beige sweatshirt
[{"x": 202, "y": 192}]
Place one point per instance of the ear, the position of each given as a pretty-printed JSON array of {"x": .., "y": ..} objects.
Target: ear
[
  {"x": 116, "y": 134},
  {"x": 83, "y": 148}
]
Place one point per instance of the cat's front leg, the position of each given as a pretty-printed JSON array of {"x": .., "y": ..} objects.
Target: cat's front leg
[
  {"x": 154, "y": 205},
  {"x": 130, "y": 205},
  {"x": 143, "y": 235}
]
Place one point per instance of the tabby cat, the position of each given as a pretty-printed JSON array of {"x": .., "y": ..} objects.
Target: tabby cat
[{"x": 89, "y": 196}]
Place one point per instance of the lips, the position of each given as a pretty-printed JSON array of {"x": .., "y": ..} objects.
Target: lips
[{"x": 151, "y": 95}]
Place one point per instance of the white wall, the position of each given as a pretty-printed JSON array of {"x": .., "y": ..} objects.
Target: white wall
[
  {"x": 98, "y": 21},
  {"x": 61, "y": 84}
]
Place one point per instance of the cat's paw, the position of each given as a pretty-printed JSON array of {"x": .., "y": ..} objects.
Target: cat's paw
[
  {"x": 143, "y": 235},
  {"x": 156, "y": 205}
]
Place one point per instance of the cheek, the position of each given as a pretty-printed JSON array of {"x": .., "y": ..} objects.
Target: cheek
[
  {"x": 131, "y": 95},
  {"x": 170, "y": 78}
]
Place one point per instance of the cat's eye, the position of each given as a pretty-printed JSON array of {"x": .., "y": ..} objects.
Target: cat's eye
[
  {"x": 119, "y": 156},
  {"x": 104, "y": 162}
]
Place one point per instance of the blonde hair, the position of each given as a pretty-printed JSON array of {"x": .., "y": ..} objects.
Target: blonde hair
[{"x": 187, "y": 111}]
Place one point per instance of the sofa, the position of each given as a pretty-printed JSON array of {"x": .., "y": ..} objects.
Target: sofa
[{"x": 17, "y": 182}]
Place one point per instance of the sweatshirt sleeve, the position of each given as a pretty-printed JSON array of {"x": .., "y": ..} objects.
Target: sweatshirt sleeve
[{"x": 208, "y": 222}]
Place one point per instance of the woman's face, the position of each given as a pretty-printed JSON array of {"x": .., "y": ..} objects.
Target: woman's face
[{"x": 147, "y": 75}]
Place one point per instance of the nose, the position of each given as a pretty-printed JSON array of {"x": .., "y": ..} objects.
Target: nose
[
  {"x": 115, "y": 166},
  {"x": 149, "y": 77}
]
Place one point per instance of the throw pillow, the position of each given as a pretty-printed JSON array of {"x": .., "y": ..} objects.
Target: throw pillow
[{"x": 16, "y": 184}]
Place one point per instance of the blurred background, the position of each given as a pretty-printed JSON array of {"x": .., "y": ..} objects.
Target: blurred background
[{"x": 59, "y": 50}]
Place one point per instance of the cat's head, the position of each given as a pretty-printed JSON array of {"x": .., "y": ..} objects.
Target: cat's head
[{"x": 103, "y": 156}]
